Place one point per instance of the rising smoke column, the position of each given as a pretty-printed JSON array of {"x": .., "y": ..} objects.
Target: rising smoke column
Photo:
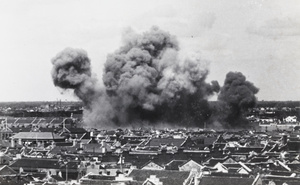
[
  {"x": 72, "y": 70},
  {"x": 147, "y": 80},
  {"x": 236, "y": 96}
]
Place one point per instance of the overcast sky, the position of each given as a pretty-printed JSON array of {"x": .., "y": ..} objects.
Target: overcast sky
[{"x": 260, "y": 38}]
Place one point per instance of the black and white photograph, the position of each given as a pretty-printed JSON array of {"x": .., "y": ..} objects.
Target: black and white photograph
[{"x": 140, "y": 92}]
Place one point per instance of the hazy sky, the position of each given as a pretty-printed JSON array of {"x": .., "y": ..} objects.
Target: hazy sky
[{"x": 260, "y": 38}]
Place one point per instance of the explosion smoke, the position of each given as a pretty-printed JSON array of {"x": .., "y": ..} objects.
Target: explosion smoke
[
  {"x": 72, "y": 70},
  {"x": 237, "y": 95},
  {"x": 147, "y": 80}
]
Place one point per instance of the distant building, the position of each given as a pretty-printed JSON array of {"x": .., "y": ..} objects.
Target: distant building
[{"x": 291, "y": 119}]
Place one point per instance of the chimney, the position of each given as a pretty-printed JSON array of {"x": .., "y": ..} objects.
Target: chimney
[
  {"x": 12, "y": 143},
  {"x": 103, "y": 150},
  {"x": 91, "y": 134},
  {"x": 20, "y": 141},
  {"x": 53, "y": 144},
  {"x": 74, "y": 142}
]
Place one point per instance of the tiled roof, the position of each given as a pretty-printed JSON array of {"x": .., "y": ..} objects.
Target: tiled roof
[
  {"x": 37, "y": 135},
  {"x": 106, "y": 182},
  {"x": 11, "y": 120},
  {"x": 168, "y": 177},
  {"x": 174, "y": 164},
  {"x": 165, "y": 141},
  {"x": 36, "y": 163},
  {"x": 259, "y": 159},
  {"x": 5, "y": 144},
  {"x": 56, "y": 120},
  {"x": 6, "y": 170},
  {"x": 25, "y": 120},
  {"x": 62, "y": 149},
  {"x": 152, "y": 164},
  {"x": 95, "y": 148},
  {"x": 48, "y": 129},
  {"x": 294, "y": 167},
  {"x": 14, "y": 180},
  {"x": 212, "y": 180},
  {"x": 294, "y": 145},
  {"x": 20, "y": 129},
  {"x": 214, "y": 161},
  {"x": 48, "y": 120},
  {"x": 57, "y": 178},
  {"x": 77, "y": 130},
  {"x": 280, "y": 179}
]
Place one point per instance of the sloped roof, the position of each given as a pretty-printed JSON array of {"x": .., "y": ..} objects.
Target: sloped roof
[
  {"x": 16, "y": 180},
  {"x": 69, "y": 149},
  {"x": 189, "y": 162},
  {"x": 213, "y": 161},
  {"x": 151, "y": 163},
  {"x": 20, "y": 129},
  {"x": 174, "y": 164},
  {"x": 6, "y": 170},
  {"x": 106, "y": 182},
  {"x": 57, "y": 178},
  {"x": 77, "y": 130},
  {"x": 95, "y": 148},
  {"x": 5, "y": 144},
  {"x": 37, "y": 135},
  {"x": 294, "y": 145},
  {"x": 165, "y": 141},
  {"x": 26, "y": 120},
  {"x": 168, "y": 177},
  {"x": 48, "y": 129},
  {"x": 36, "y": 163},
  {"x": 277, "y": 179},
  {"x": 11, "y": 120},
  {"x": 57, "y": 120},
  {"x": 205, "y": 140},
  {"x": 278, "y": 166},
  {"x": 257, "y": 159},
  {"x": 294, "y": 167},
  {"x": 212, "y": 180}
]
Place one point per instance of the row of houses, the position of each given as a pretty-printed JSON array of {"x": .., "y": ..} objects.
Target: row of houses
[{"x": 150, "y": 156}]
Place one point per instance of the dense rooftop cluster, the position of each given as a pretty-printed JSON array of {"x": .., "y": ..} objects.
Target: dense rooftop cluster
[{"x": 55, "y": 150}]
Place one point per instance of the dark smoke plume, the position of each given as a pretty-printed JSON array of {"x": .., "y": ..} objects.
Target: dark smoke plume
[
  {"x": 147, "y": 80},
  {"x": 72, "y": 70},
  {"x": 236, "y": 96}
]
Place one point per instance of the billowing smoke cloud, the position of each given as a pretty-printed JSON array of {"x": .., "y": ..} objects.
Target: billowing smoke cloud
[
  {"x": 236, "y": 96},
  {"x": 72, "y": 70},
  {"x": 147, "y": 79}
]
